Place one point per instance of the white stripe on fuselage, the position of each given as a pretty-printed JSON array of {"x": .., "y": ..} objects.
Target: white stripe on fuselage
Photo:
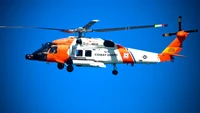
[{"x": 141, "y": 56}]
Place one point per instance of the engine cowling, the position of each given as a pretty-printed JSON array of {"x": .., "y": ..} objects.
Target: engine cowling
[{"x": 108, "y": 43}]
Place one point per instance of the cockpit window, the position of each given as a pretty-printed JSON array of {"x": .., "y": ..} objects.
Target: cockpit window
[
  {"x": 53, "y": 50},
  {"x": 48, "y": 44},
  {"x": 45, "y": 47}
]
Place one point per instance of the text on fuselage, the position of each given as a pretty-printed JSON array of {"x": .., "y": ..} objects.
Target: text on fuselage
[{"x": 105, "y": 54}]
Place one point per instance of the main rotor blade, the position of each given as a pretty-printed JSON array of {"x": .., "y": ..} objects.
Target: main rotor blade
[
  {"x": 88, "y": 25},
  {"x": 129, "y": 28},
  {"x": 32, "y": 27}
]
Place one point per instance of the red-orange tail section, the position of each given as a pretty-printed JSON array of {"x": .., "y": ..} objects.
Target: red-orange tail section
[{"x": 175, "y": 46}]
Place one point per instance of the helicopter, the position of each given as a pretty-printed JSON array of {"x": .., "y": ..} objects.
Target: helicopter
[{"x": 82, "y": 51}]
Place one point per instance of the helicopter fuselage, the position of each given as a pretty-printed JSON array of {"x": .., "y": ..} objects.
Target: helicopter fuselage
[{"x": 92, "y": 52}]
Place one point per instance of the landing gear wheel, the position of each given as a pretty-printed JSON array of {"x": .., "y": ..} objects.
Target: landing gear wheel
[
  {"x": 70, "y": 68},
  {"x": 60, "y": 66},
  {"x": 114, "y": 72}
]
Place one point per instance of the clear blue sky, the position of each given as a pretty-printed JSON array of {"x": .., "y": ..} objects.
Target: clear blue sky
[{"x": 37, "y": 87}]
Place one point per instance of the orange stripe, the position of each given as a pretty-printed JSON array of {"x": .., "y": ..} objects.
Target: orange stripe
[
  {"x": 63, "y": 47},
  {"x": 125, "y": 55},
  {"x": 165, "y": 57}
]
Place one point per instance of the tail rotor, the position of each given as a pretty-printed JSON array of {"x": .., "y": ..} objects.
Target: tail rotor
[
  {"x": 174, "y": 48},
  {"x": 179, "y": 23},
  {"x": 180, "y": 28}
]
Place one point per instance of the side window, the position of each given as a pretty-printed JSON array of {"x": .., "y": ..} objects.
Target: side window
[
  {"x": 53, "y": 50},
  {"x": 79, "y": 52},
  {"x": 88, "y": 53}
]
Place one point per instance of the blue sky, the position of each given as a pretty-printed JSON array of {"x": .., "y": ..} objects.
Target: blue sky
[{"x": 31, "y": 86}]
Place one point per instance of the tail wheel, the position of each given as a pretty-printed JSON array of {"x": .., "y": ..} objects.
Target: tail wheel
[
  {"x": 114, "y": 72},
  {"x": 70, "y": 68},
  {"x": 60, "y": 66}
]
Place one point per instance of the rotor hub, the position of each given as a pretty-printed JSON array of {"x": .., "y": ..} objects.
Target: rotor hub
[{"x": 81, "y": 29}]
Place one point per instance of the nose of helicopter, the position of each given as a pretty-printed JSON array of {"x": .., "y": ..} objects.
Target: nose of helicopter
[
  {"x": 40, "y": 57},
  {"x": 29, "y": 56}
]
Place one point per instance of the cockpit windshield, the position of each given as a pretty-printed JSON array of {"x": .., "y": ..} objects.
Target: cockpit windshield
[{"x": 45, "y": 47}]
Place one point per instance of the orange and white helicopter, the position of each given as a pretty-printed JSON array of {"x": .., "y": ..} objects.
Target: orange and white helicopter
[{"x": 96, "y": 52}]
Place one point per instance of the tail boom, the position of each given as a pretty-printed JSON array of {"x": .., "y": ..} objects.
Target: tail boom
[{"x": 174, "y": 47}]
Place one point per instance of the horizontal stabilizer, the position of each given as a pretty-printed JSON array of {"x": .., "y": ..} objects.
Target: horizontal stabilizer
[{"x": 178, "y": 55}]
